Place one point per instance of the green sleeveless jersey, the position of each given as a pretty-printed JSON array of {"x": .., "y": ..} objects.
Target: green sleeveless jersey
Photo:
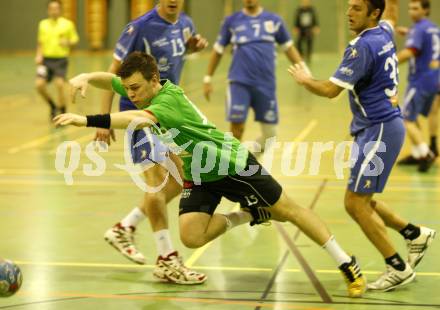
[{"x": 208, "y": 154}]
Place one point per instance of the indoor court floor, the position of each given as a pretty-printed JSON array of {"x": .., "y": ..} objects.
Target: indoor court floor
[{"x": 54, "y": 231}]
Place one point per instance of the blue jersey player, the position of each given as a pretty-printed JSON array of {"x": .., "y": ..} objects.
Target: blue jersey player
[
  {"x": 167, "y": 34},
  {"x": 252, "y": 32},
  {"x": 422, "y": 50},
  {"x": 369, "y": 72}
]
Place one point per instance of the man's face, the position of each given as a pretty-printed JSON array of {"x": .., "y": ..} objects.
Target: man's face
[
  {"x": 171, "y": 7},
  {"x": 416, "y": 12},
  {"x": 139, "y": 90},
  {"x": 250, "y": 4},
  {"x": 357, "y": 13},
  {"x": 54, "y": 10}
]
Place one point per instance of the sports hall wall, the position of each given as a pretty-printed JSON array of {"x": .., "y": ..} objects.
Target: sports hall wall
[{"x": 20, "y": 19}]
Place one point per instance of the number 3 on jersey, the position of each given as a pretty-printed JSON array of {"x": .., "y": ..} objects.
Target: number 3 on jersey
[{"x": 391, "y": 64}]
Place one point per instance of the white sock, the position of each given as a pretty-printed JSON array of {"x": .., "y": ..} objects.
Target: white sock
[
  {"x": 423, "y": 149},
  {"x": 267, "y": 131},
  {"x": 415, "y": 152},
  {"x": 237, "y": 218},
  {"x": 335, "y": 251},
  {"x": 163, "y": 242},
  {"x": 133, "y": 218}
]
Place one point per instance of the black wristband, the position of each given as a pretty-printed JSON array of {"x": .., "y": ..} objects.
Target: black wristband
[{"x": 99, "y": 120}]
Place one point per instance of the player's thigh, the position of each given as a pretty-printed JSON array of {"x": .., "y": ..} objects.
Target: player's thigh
[
  {"x": 265, "y": 105},
  {"x": 40, "y": 82},
  {"x": 238, "y": 100},
  {"x": 59, "y": 68},
  {"x": 197, "y": 205},
  {"x": 374, "y": 154}
]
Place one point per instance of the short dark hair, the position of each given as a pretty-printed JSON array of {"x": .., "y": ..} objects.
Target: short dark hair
[
  {"x": 139, "y": 62},
  {"x": 376, "y": 5},
  {"x": 56, "y": 1},
  {"x": 426, "y": 4}
]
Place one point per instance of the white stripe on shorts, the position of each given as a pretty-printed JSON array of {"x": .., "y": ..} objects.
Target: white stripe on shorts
[{"x": 369, "y": 157}]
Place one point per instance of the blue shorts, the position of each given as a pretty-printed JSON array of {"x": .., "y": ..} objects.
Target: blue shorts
[
  {"x": 262, "y": 100},
  {"x": 378, "y": 146},
  {"x": 417, "y": 101},
  {"x": 145, "y": 147}
]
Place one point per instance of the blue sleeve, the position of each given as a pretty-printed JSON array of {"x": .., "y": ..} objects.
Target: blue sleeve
[
  {"x": 126, "y": 42},
  {"x": 356, "y": 64},
  {"x": 282, "y": 35},
  {"x": 414, "y": 39},
  {"x": 225, "y": 35}
]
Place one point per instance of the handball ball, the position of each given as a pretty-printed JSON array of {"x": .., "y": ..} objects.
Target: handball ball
[{"x": 10, "y": 278}]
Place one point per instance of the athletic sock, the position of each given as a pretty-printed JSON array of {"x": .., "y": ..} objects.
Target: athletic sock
[
  {"x": 163, "y": 242},
  {"x": 423, "y": 149},
  {"x": 133, "y": 218},
  {"x": 237, "y": 218},
  {"x": 336, "y": 252},
  {"x": 410, "y": 232},
  {"x": 396, "y": 262}
]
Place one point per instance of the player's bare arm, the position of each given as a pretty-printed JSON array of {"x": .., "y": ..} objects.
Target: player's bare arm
[
  {"x": 391, "y": 13},
  {"x": 320, "y": 88},
  {"x": 118, "y": 120},
  {"x": 212, "y": 66}
]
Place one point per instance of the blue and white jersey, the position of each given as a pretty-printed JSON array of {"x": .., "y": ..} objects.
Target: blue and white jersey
[
  {"x": 159, "y": 38},
  {"x": 253, "y": 39},
  {"x": 424, "y": 38},
  {"x": 369, "y": 71}
]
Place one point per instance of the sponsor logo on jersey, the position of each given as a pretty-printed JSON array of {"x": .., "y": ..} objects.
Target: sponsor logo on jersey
[
  {"x": 353, "y": 53},
  {"x": 386, "y": 48},
  {"x": 130, "y": 29},
  {"x": 346, "y": 71}
]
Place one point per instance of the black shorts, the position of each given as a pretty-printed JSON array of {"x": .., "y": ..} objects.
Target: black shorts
[
  {"x": 53, "y": 67},
  {"x": 257, "y": 190}
]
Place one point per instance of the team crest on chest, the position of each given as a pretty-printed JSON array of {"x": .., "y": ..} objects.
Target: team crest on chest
[
  {"x": 269, "y": 26},
  {"x": 186, "y": 34}
]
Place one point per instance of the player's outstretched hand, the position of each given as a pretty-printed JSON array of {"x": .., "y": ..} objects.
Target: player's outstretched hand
[
  {"x": 298, "y": 73},
  {"x": 70, "y": 119},
  {"x": 77, "y": 84},
  {"x": 196, "y": 43}
]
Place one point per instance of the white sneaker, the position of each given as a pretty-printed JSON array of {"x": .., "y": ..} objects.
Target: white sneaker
[
  {"x": 122, "y": 239},
  {"x": 171, "y": 269},
  {"x": 417, "y": 247},
  {"x": 392, "y": 278}
]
